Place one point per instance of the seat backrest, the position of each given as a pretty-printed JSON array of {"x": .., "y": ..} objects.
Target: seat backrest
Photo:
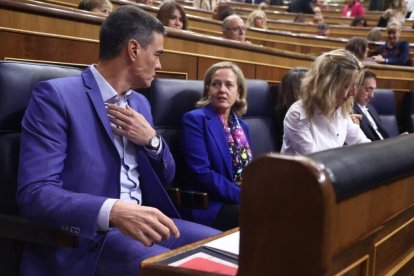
[
  {"x": 260, "y": 117},
  {"x": 384, "y": 103},
  {"x": 17, "y": 80},
  {"x": 407, "y": 112},
  {"x": 170, "y": 99}
]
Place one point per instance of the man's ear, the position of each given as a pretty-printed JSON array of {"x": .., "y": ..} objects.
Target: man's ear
[{"x": 133, "y": 49}]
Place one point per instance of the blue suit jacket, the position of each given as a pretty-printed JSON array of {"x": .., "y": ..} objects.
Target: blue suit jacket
[
  {"x": 207, "y": 156},
  {"x": 69, "y": 165},
  {"x": 366, "y": 125}
]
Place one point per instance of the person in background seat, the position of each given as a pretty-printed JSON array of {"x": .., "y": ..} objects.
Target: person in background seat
[
  {"x": 221, "y": 11},
  {"x": 359, "y": 47},
  {"x": 234, "y": 28},
  {"x": 359, "y": 21},
  {"x": 321, "y": 119},
  {"x": 172, "y": 15},
  {"x": 371, "y": 122},
  {"x": 289, "y": 90},
  {"x": 353, "y": 8},
  {"x": 322, "y": 29},
  {"x": 216, "y": 145},
  {"x": 394, "y": 51},
  {"x": 92, "y": 164},
  {"x": 101, "y": 7},
  {"x": 396, "y": 12},
  {"x": 257, "y": 19}
]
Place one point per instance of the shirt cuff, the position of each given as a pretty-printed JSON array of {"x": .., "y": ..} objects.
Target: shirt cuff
[
  {"x": 155, "y": 154},
  {"x": 103, "y": 216}
]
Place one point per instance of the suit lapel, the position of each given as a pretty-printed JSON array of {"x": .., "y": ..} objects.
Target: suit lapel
[
  {"x": 153, "y": 193},
  {"x": 92, "y": 90},
  {"x": 133, "y": 102},
  {"x": 376, "y": 118},
  {"x": 366, "y": 125},
  {"x": 216, "y": 130}
]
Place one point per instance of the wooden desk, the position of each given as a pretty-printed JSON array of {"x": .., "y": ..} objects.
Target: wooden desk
[
  {"x": 348, "y": 211},
  {"x": 153, "y": 267}
]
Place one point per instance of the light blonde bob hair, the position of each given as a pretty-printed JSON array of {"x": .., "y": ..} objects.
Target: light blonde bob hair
[
  {"x": 252, "y": 16},
  {"x": 330, "y": 73},
  {"x": 240, "y": 106}
]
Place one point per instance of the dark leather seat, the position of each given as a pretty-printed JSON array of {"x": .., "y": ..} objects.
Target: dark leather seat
[
  {"x": 259, "y": 117},
  {"x": 171, "y": 98},
  {"x": 355, "y": 169},
  {"x": 17, "y": 80},
  {"x": 384, "y": 103},
  {"x": 407, "y": 112}
]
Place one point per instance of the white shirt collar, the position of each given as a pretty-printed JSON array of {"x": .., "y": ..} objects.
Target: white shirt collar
[{"x": 107, "y": 91}]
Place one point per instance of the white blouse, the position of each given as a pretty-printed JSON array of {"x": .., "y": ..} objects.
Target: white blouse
[{"x": 302, "y": 136}]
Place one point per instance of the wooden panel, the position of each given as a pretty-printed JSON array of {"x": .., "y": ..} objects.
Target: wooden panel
[
  {"x": 187, "y": 63},
  {"x": 307, "y": 44},
  {"x": 50, "y": 24},
  {"x": 371, "y": 211},
  {"x": 357, "y": 268},
  {"x": 389, "y": 251},
  {"x": 26, "y": 45},
  {"x": 396, "y": 78}
]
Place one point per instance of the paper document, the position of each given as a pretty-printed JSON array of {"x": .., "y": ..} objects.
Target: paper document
[
  {"x": 227, "y": 245},
  {"x": 204, "y": 262}
]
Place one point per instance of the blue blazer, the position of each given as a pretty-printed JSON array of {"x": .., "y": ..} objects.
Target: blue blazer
[
  {"x": 69, "y": 166},
  {"x": 207, "y": 156}
]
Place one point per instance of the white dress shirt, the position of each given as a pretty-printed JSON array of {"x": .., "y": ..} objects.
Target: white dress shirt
[
  {"x": 302, "y": 136},
  {"x": 130, "y": 190}
]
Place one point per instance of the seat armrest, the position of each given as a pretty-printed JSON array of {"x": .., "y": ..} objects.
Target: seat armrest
[
  {"x": 21, "y": 229},
  {"x": 188, "y": 199}
]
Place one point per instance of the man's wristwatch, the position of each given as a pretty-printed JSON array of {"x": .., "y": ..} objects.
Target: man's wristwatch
[{"x": 154, "y": 143}]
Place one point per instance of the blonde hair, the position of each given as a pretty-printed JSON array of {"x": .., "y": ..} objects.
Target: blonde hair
[
  {"x": 240, "y": 106},
  {"x": 393, "y": 26},
  {"x": 253, "y": 15},
  {"x": 330, "y": 73}
]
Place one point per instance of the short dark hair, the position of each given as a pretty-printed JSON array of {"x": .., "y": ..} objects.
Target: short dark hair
[
  {"x": 290, "y": 87},
  {"x": 357, "y": 46},
  {"x": 322, "y": 26},
  {"x": 223, "y": 10},
  {"x": 368, "y": 75},
  {"x": 89, "y": 5},
  {"x": 166, "y": 10},
  {"x": 358, "y": 19},
  {"x": 127, "y": 22}
]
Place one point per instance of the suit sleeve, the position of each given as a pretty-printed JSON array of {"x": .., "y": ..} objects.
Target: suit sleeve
[
  {"x": 402, "y": 58},
  {"x": 298, "y": 137},
  {"x": 40, "y": 194},
  {"x": 355, "y": 135},
  {"x": 200, "y": 166}
]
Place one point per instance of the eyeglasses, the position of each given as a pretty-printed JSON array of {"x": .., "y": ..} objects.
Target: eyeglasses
[
  {"x": 369, "y": 90},
  {"x": 237, "y": 29}
]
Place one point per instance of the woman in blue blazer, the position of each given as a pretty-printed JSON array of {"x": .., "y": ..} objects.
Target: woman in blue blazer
[{"x": 216, "y": 147}]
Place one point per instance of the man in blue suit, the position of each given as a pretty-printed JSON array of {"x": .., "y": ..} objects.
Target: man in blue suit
[
  {"x": 92, "y": 164},
  {"x": 370, "y": 123}
]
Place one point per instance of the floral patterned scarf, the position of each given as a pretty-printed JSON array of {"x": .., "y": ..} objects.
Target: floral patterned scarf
[{"x": 238, "y": 145}]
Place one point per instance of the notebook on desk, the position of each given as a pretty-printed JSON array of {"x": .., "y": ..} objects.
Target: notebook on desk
[
  {"x": 227, "y": 245},
  {"x": 218, "y": 256}
]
